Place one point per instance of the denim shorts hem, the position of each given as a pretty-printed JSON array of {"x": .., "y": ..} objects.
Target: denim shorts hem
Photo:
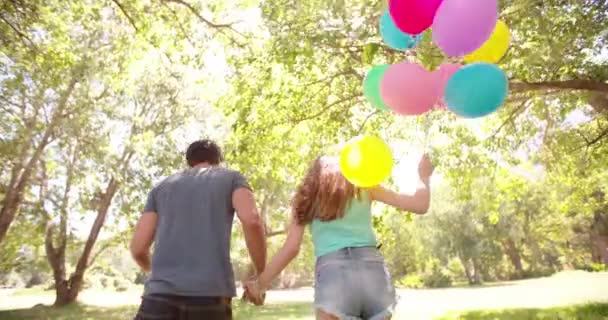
[{"x": 386, "y": 314}]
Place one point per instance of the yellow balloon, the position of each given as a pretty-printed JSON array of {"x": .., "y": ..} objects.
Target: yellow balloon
[
  {"x": 366, "y": 161},
  {"x": 494, "y": 48}
]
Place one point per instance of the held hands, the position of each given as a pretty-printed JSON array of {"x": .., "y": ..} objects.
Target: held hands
[
  {"x": 254, "y": 293},
  {"x": 425, "y": 167}
]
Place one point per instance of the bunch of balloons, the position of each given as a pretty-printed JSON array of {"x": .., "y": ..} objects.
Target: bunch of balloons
[{"x": 462, "y": 28}]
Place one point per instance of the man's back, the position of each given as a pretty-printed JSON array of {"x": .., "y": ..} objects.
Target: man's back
[{"x": 192, "y": 241}]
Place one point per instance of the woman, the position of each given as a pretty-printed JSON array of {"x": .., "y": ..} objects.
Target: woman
[{"x": 351, "y": 279}]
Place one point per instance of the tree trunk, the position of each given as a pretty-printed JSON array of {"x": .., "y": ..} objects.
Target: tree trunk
[
  {"x": 12, "y": 200},
  {"x": 67, "y": 290},
  {"x": 467, "y": 270},
  {"x": 102, "y": 212},
  {"x": 476, "y": 271},
  {"x": 514, "y": 255},
  {"x": 66, "y": 293},
  {"x": 599, "y": 247}
]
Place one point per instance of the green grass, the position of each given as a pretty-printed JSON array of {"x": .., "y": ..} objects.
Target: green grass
[
  {"x": 302, "y": 311},
  {"x": 578, "y": 312},
  {"x": 35, "y": 291},
  {"x": 296, "y": 311}
]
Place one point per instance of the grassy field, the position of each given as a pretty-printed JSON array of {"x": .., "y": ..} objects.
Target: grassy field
[
  {"x": 85, "y": 312},
  {"x": 566, "y": 296},
  {"x": 301, "y": 311},
  {"x": 579, "y": 312}
]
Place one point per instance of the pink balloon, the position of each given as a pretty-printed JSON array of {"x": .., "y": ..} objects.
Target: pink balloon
[
  {"x": 413, "y": 16},
  {"x": 462, "y": 26},
  {"x": 443, "y": 74},
  {"x": 409, "y": 89}
]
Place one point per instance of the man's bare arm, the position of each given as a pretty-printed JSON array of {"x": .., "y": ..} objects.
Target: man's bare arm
[
  {"x": 253, "y": 226},
  {"x": 143, "y": 238}
]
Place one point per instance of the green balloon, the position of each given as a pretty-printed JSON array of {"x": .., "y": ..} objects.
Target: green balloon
[{"x": 371, "y": 86}]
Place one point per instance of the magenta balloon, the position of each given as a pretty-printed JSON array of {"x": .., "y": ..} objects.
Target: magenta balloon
[
  {"x": 462, "y": 26},
  {"x": 413, "y": 16},
  {"x": 408, "y": 89},
  {"x": 442, "y": 75}
]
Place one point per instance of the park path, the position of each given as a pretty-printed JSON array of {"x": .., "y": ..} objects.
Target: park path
[{"x": 559, "y": 290}]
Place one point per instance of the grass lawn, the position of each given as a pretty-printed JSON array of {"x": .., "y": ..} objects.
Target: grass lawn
[
  {"x": 565, "y": 296},
  {"x": 301, "y": 311},
  {"x": 297, "y": 311},
  {"x": 580, "y": 312}
]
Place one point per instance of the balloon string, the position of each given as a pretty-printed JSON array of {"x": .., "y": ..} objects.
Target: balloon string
[{"x": 426, "y": 124}]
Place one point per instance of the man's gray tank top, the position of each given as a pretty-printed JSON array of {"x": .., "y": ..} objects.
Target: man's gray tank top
[{"x": 192, "y": 242}]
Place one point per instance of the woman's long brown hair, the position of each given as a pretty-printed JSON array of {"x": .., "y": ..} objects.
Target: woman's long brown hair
[{"x": 324, "y": 194}]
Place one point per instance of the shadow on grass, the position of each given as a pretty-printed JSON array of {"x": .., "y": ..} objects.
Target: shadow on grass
[
  {"x": 85, "y": 312},
  {"x": 577, "y": 312}
]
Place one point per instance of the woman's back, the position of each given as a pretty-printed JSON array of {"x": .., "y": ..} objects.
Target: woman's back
[{"x": 353, "y": 230}]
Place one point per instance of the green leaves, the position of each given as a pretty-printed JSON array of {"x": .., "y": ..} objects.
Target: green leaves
[{"x": 369, "y": 52}]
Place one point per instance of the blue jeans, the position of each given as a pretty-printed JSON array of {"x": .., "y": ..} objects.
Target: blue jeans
[
  {"x": 353, "y": 284},
  {"x": 169, "y": 307}
]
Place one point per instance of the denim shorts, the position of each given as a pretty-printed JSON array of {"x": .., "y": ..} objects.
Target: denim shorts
[{"x": 353, "y": 284}]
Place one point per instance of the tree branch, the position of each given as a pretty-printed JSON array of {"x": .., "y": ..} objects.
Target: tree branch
[
  {"x": 181, "y": 26},
  {"x": 18, "y": 32},
  {"x": 331, "y": 78},
  {"x": 201, "y": 18},
  {"x": 576, "y": 84},
  {"x": 514, "y": 114},
  {"x": 124, "y": 11},
  {"x": 365, "y": 121},
  {"x": 595, "y": 140},
  {"x": 98, "y": 253},
  {"x": 325, "y": 109},
  {"x": 219, "y": 26}
]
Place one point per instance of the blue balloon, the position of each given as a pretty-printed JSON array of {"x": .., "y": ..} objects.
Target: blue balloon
[
  {"x": 394, "y": 37},
  {"x": 476, "y": 90}
]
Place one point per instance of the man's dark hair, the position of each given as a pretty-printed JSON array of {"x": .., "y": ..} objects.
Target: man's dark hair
[{"x": 204, "y": 151}]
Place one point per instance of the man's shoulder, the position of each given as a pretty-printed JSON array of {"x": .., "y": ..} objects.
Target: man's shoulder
[{"x": 228, "y": 171}]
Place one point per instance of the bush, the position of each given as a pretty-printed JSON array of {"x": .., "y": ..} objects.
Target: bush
[
  {"x": 438, "y": 278},
  {"x": 533, "y": 274},
  {"x": 12, "y": 280},
  {"x": 121, "y": 285},
  {"x": 411, "y": 281},
  {"x": 35, "y": 280},
  {"x": 594, "y": 267},
  {"x": 140, "y": 278},
  {"x": 456, "y": 270},
  {"x": 104, "y": 281}
]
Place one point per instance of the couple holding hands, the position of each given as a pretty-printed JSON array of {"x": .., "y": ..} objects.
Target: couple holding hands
[{"x": 189, "y": 216}]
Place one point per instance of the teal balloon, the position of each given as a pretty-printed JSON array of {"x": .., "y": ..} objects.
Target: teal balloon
[
  {"x": 394, "y": 37},
  {"x": 371, "y": 86},
  {"x": 476, "y": 90}
]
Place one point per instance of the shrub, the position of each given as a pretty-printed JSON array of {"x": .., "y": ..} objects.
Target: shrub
[
  {"x": 533, "y": 274},
  {"x": 12, "y": 280},
  {"x": 438, "y": 278},
  {"x": 35, "y": 280},
  {"x": 594, "y": 267},
  {"x": 411, "y": 281},
  {"x": 121, "y": 285},
  {"x": 140, "y": 278},
  {"x": 456, "y": 270}
]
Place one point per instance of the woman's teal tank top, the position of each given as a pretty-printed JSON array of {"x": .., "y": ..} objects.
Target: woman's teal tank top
[{"x": 353, "y": 230}]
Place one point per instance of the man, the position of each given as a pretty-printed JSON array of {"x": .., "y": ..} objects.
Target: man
[{"x": 189, "y": 216}]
